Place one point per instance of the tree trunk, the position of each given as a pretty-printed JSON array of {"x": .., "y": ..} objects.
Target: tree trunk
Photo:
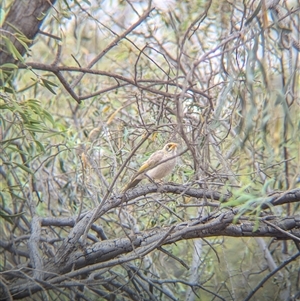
[{"x": 26, "y": 17}]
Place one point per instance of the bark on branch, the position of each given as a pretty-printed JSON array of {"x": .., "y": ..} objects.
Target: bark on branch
[
  {"x": 77, "y": 260},
  {"x": 24, "y": 17}
]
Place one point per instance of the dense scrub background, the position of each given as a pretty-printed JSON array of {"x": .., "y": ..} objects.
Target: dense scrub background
[{"x": 102, "y": 86}]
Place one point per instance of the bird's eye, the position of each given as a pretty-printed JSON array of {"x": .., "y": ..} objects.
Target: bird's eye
[{"x": 169, "y": 147}]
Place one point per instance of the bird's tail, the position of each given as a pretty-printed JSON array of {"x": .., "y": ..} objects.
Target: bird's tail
[{"x": 131, "y": 184}]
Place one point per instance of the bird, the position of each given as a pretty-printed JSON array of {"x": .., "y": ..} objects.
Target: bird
[{"x": 157, "y": 166}]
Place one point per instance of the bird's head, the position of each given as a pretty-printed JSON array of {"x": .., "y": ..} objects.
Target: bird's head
[{"x": 171, "y": 147}]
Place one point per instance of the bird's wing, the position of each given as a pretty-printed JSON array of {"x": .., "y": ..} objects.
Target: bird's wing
[{"x": 154, "y": 159}]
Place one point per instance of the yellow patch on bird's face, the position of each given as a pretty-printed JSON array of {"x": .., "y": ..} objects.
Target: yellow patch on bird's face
[{"x": 170, "y": 146}]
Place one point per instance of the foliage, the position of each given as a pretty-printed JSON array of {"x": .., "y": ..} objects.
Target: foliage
[{"x": 96, "y": 95}]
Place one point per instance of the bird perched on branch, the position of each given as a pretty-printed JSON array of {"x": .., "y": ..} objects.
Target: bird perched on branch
[{"x": 159, "y": 165}]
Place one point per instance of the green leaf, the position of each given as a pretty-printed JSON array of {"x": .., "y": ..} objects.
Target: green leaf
[
  {"x": 8, "y": 217},
  {"x": 239, "y": 197},
  {"x": 40, "y": 145},
  {"x": 12, "y": 139},
  {"x": 8, "y": 66},
  {"x": 62, "y": 165},
  {"x": 8, "y": 90},
  {"x": 35, "y": 129},
  {"x": 25, "y": 168},
  {"x": 48, "y": 85},
  {"x": 41, "y": 17},
  {"x": 23, "y": 40},
  {"x": 266, "y": 186},
  {"x": 15, "y": 149},
  {"x": 12, "y": 49},
  {"x": 49, "y": 117}
]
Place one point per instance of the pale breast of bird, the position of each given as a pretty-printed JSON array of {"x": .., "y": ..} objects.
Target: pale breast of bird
[{"x": 163, "y": 169}]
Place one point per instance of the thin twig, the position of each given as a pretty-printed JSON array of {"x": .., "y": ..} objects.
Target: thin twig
[{"x": 264, "y": 280}]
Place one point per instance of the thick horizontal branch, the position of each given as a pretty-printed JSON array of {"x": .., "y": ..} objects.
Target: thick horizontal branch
[
  {"x": 117, "y": 200},
  {"x": 114, "y": 202},
  {"x": 178, "y": 189},
  {"x": 280, "y": 198},
  {"x": 219, "y": 225},
  {"x": 107, "y": 253},
  {"x": 58, "y": 69},
  {"x": 277, "y": 199}
]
